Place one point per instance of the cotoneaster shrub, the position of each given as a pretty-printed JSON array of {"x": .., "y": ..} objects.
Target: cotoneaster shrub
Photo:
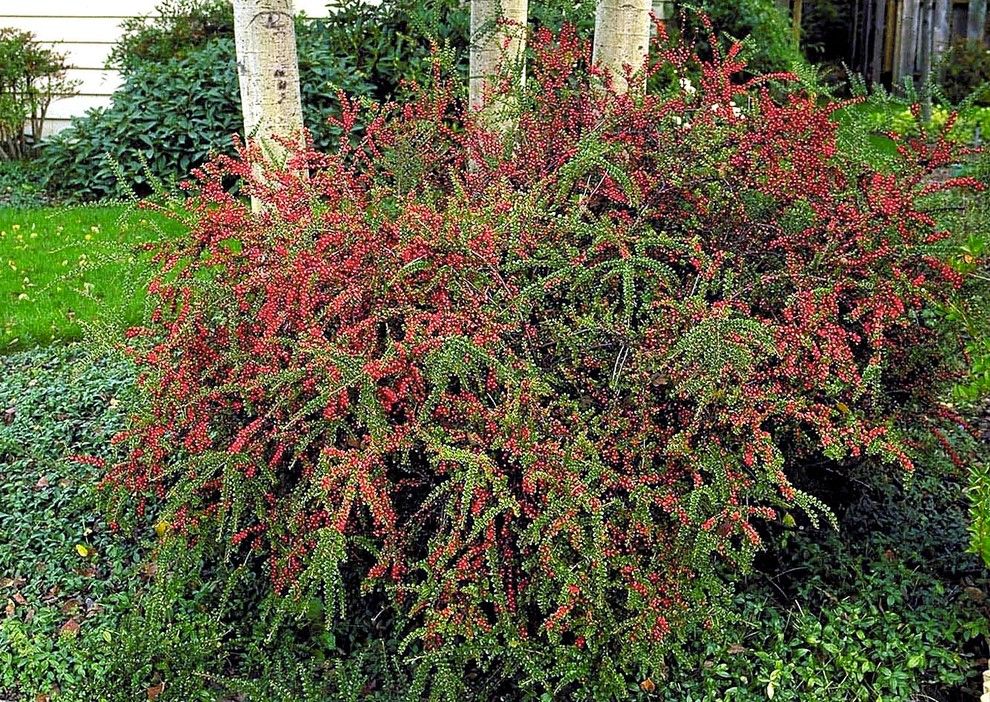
[{"x": 545, "y": 390}]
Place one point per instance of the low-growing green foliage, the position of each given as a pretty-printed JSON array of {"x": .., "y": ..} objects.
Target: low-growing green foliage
[
  {"x": 971, "y": 125},
  {"x": 64, "y": 579},
  {"x": 63, "y": 267},
  {"x": 20, "y": 185}
]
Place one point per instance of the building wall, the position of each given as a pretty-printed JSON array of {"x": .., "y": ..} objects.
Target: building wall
[{"x": 86, "y": 30}]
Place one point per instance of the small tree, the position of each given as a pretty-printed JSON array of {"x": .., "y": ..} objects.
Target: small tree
[{"x": 31, "y": 77}]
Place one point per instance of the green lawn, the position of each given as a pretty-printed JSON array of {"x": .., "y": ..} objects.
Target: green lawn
[{"x": 61, "y": 268}]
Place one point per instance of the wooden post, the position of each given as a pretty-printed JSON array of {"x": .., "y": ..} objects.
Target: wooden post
[
  {"x": 977, "y": 20},
  {"x": 854, "y": 38},
  {"x": 891, "y": 39},
  {"x": 622, "y": 38},
  {"x": 879, "y": 40},
  {"x": 798, "y": 11},
  {"x": 941, "y": 28},
  {"x": 498, "y": 37},
  {"x": 904, "y": 59},
  {"x": 925, "y": 58},
  {"x": 268, "y": 72}
]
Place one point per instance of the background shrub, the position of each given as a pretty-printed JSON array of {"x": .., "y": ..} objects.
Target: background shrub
[
  {"x": 769, "y": 45},
  {"x": 547, "y": 403},
  {"x": 177, "y": 28},
  {"x": 20, "y": 185},
  {"x": 965, "y": 70},
  {"x": 170, "y": 116}
]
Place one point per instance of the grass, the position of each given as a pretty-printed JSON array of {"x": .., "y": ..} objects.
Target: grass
[{"x": 63, "y": 267}]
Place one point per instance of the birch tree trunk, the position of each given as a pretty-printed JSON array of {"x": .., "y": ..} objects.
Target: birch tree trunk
[
  {"x": 268, "y": 72},
  {"x": 495, "y": 44},
  {"x": 622, "y": 38}
]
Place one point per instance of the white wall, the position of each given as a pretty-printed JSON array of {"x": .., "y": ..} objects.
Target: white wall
[{"x": 86, "y": 30}]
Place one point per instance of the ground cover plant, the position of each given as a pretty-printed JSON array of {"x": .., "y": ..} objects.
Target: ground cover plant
[
  {"x": 64, "y": 578},
  {"x": 63, "y": 267},
  {"x": 544, "y": 390},
  {"x": 20, "y": 185}
]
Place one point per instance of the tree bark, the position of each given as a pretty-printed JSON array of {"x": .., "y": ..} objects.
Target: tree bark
[
  {"x": 498, "y": 38},
  {"x": 268, "y": 72},
  {"x": 622, "y": 38}
]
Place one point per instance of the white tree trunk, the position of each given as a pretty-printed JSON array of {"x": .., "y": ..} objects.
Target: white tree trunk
[
  {"x": 494, "y": 45},
  {"x": 622, "y": 37},
  {"x": 268, "y": 71}
]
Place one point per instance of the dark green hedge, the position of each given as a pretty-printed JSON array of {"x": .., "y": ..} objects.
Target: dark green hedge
[{"x": 172, "y": 115}]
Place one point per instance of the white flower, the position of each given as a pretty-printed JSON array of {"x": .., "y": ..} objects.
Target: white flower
[
  {"x": 736, "y": 112},
  {"x": 687, "y": 86},
  {"x": 716, "y": 107},
  {"x": 677, "y": 120}
]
